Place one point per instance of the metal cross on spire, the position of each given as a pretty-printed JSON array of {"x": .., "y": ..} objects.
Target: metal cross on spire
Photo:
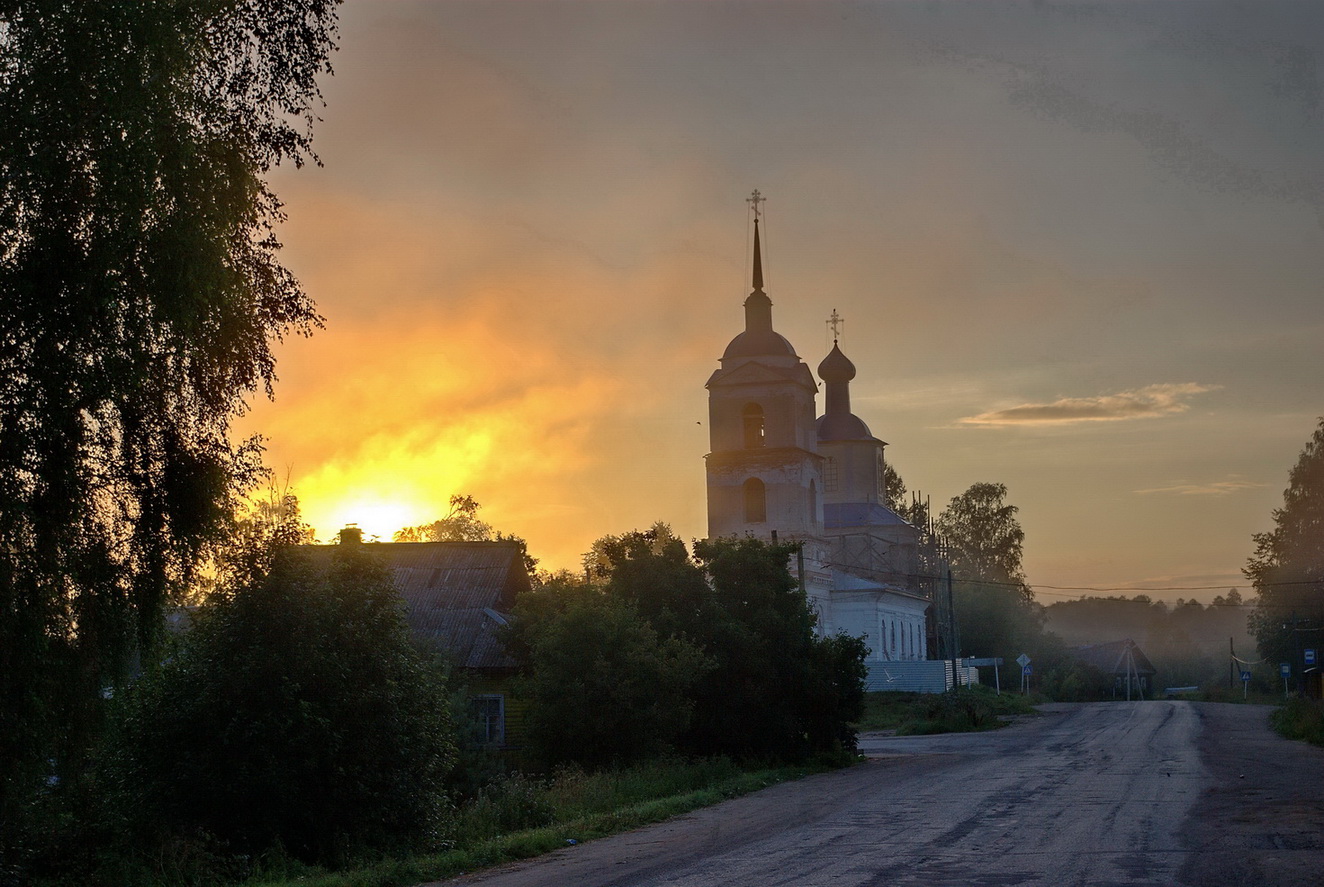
[
  {"x": 754, "y": 200},
  {"x": 834, "y": 322}
]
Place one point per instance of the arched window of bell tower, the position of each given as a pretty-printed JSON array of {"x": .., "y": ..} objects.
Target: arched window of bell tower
[
  {"x": 753, "y": 418},
  {"x": 756, "y": 501}
]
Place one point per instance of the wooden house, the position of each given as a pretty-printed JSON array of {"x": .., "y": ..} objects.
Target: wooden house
[
  {"x": 1130, "y": 668},
  {"x": 457, "y": 595}
]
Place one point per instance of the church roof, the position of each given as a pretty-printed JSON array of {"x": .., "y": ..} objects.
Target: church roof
[
  {"x": 758, "y": 343},
  {"x": 757, "y": 373},
  {"x": 842, "y": 426},
  {"x": 848, "y": 582},
  {"x": 859, "y": 514}
]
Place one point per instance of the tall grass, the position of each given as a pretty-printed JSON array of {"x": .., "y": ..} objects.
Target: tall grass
[
  {"x": 1300, "y": 719},
  {"x": 958, "y": 711},
  {"x": 518, "y": 816}
]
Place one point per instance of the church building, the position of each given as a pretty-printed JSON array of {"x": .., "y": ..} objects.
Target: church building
[{"x": 778, "y": 470}]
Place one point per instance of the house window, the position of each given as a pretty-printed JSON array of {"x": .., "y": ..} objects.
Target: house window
[
  {"x": 490, "y": 716},
  {"x": 830, "y": 475},
  {"x": 753, "y": 419},
  {"x": 756, "y": 501}
]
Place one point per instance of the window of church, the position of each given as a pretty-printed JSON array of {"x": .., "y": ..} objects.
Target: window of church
[
  {"x": 830, "y": 475},
  {"x": 756, "y": 501},
  {"x": 753, "y": 418}
]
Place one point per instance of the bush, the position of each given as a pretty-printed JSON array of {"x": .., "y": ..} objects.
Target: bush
[
  {"x": 1075, "y": 681},
  {"x": 603, "y": 688},
  {"x": 294, "y": 714}
]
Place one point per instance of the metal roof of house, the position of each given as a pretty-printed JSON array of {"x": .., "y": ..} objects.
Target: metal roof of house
[{"x": 457, "y": 594}]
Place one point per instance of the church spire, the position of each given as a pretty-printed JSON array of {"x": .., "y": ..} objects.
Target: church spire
[
  {"x": 758, "y": 307},
  {"x": 758, "y": 256}
]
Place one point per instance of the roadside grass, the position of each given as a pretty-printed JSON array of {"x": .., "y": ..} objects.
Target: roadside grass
[
  {"x": 1221, "y": 693},
  {"x": 519, "y": 817},
  {"x": 960, "y": 711},
  {"x": 1300, "y": 719}
]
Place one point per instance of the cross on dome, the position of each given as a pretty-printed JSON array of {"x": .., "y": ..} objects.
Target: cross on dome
[
  {"x": 754, "y": 200},
  {"x": 835, "y": 322}
]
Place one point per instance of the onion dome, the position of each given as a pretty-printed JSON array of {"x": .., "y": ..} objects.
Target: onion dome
[
  {"x": 837, "y": 421},
  {"x": 836, "y": 367}
]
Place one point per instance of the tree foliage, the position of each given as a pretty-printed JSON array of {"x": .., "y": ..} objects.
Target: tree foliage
[
  {"x": 603, "y": 687},
  {"x": 294, "y": 713},
  {"x": 995, "y": 608},
  {"x": 769, "y": 688},
  {"x": 1287, "y": 567},
  {"x": 140, "y": 297},
  {"x": 462, "y": 524}
]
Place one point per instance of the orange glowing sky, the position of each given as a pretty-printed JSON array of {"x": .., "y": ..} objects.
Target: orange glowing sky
[{"x": 1077, "y": 247}]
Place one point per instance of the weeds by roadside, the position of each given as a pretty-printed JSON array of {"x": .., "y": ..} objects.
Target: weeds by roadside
[
  {"x": 1300, "y": 719},
  {"x": 960, "y": 711},
  {"x": 519, "y": 816}
]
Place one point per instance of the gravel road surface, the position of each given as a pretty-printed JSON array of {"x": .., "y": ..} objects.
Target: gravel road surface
[{"x": 1122, "y": 793}]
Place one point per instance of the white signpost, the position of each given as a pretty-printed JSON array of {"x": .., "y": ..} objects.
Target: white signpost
[{"x": 1024, "y": 662}]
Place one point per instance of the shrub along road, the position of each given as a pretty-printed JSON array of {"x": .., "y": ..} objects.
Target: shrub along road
[{"x": 1142, "y": 793}]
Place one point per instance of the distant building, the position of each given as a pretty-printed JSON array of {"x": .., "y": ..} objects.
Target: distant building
[
  {"x": 776, "y": 469},
  {"x": 1123, "y": 661}
]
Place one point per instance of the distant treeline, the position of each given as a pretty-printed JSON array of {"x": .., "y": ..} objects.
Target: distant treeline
[{"x": 1188, "y": 642}]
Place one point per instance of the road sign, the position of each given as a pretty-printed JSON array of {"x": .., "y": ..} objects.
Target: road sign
[
  {"x": 1025, "y": 670},
  {"x": 983, "y": 661},
  {"x": 1245, "y": 677},
  {"x": 1310, "y": 657},
  {"x": 1023, "y": 660},
  {"x": 1285, "y": 669}
]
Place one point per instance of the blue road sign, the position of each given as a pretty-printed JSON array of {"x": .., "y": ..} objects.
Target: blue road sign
[
  {"x": 1310, "y": 657},
  {"x": 1245, "y": 676},
  {"x": 1025, "y": 669},
  {"x": 1285, "y": 669}
]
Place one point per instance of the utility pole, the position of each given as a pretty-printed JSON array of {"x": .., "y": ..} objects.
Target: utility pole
[
  {"x": 1293, "y": 625},
  {"x": 951, "y": 626}
]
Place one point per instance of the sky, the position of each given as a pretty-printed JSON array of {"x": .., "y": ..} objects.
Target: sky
[{"x": 1078, "y": 249}]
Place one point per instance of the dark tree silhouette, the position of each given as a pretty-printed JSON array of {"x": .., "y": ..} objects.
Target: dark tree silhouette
[
  {"x": 140, "y": 297},
  {"x": 994, "y": 606},
  {"x": 1287, "y": 567},
  {"x": 462, "y": 524}
]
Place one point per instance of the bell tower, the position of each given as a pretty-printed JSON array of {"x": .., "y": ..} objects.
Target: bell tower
[{"x": 764, "y": 471}]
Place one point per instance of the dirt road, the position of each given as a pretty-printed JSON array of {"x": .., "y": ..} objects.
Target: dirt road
[{"x": 1145, "y": 793}]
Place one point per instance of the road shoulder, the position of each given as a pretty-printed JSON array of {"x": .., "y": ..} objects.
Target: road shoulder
[{"x": 1261, "y": 824}]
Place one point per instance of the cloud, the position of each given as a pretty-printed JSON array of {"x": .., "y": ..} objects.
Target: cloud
[
  {"x": 1216, "y": 488},
  {"x": 1149, "y": 402}
]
